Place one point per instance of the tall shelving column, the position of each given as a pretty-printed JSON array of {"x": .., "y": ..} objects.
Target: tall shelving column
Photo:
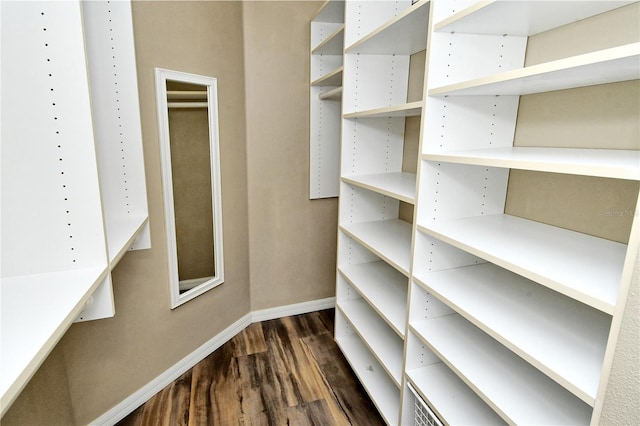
[
  {"x": 327, "y": 43},
  {"x": 374, "y": 238},
  {"x": 57, "y": 251},
  {"x": 528, "y": 312}
]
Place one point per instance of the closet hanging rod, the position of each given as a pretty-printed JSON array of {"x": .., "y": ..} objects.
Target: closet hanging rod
[
  {"x": 187, "y": 104},
  {"x": 173, "y": 95}
]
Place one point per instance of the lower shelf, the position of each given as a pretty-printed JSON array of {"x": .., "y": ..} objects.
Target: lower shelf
[
  {"x": 450, "y": 398},
  {"x": 383, "y": 392},
  {"x": 383, "y": 342},
  {"x": 36, "y": 311},
  {"x": 511, "y": 386}
]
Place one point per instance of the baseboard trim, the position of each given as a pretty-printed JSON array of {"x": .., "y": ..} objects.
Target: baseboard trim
[
  {"x": 124, "y": 408},
  {"x": 295, "y": 309}
]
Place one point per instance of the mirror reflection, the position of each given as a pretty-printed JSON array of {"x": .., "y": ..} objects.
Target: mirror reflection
[{"x": 189, "y": 140}]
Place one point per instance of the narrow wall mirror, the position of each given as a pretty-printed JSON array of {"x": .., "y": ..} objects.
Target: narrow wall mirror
[{"x": 188, "y": 129}]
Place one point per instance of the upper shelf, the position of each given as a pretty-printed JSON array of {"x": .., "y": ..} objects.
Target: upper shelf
[
  {"x": 605, "y": 66},
  {"x": 401, "y": 186},
  {"x": 334, "y": 78},
  {"x": 332, "y": 45},
  {"x": 330, "y": 11},
  {"x": 388, "y": 239},
  {"x": 609, "y": 163},
  {"x": 383, "y": 287},
  {"x": 36, "y": 311},
  {"x": 405, "y": 34},
  {"x": 405, "y": 110},
  {"x": 522, "y": 18},
  {"x": 583, "y": 267}
]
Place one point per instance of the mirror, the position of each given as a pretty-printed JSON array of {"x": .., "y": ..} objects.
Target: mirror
[{"x": 188, "y": 129}]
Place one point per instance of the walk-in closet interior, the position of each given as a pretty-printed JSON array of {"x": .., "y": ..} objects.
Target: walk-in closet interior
[{"x": 459, "y": 179}]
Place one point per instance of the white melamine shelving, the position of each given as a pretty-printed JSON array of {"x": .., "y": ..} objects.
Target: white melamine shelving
[
  {"x": 382, "y": 78},
  {"x": 447, "y": 394},
  {"x": 68, "y": 215},
  {"x": 123, "y": 233},
  {"x": 400, "y": 185},
  {"x": 516, "y": 390},
  {"x": 332, "y": 78},
  {"x": 332, "y": 45},
  {"x": 516, "y": 318},
  {"x": 384, "y": 343},
  {"x": 410, "y": 109},
  {"x": 36, "y": 312},
  {"x": 384, "y": 394},
  {"x": 523, "y": 18},
  {"x": 618, "y": 164},
  {"x": 565, "y": 339},
  {"x": 389, "y": 239},
  {"x": 405, "y": 34},
  {"x": 601, "y": 67},
  {"x": 383, "y": 287},
  {"x": 581, "y": 266},
  {"x": 325, "y": 94}
]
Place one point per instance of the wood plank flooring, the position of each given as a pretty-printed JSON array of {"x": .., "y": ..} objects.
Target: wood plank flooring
[{"x": 287, "y": 371}]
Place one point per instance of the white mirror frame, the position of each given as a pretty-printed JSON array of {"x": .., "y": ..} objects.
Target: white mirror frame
[{"x": 162, "y": 76}]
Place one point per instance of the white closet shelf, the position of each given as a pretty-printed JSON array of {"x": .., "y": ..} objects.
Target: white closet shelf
[
  {"x": 383, "y": 342},
  {"x": 383, "y": 392},
  {"x": 523, "y": 18},
  {"x": 389, "y": 239},
  {"x": 333, "y": 94},
  {"x": 334, "y": 78},
  {"x": 405, "y": 34},
  {"x": 330, "y": 11},
  {"x": 405, "y": 110},
  {"x": 564, "y": 339},
  {"x": 609, "y": 163},
  {"x": 450, "y": 397},
  {"x": 36, "y": 312},
  {"x": 605, "y": 66},
  {"x": 399, "y": 185},
  {"x": 121, "y": 232},
  {"x": 383, "y": 287},
  {"x": 517, "y": 391},
  {"x": 332, "y": 45},
  {"x": 583, "y": 267}
]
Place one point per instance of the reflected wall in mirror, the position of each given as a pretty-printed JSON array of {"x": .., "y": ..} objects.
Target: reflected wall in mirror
[{"x": 188, "y": 129}]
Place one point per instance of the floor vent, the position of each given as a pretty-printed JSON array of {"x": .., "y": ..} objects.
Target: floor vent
[{"x": 423, "y": 416}]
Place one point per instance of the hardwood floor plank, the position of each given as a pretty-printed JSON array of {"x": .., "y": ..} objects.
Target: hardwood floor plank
[
  {"x": 342, "y": 382},
  {"x": 214, "y": 389},
  {"x": 287, "y": 371},
  {"x": 249, "y": 341}
]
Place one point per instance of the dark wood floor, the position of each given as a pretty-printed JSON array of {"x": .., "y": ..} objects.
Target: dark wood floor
[{"x": 287, "y": 371}]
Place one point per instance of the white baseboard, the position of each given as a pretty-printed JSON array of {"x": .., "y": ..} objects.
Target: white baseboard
[
  {"x": 295, "y": 309},
  {"x": 124, "y": 408}
]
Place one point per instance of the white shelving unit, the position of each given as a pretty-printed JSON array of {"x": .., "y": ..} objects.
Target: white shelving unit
[
  {"x": 535, "y": 305},
  {"x": 504, "y": 313},
  {"x": 325, "y": 94},
  {"x": 73, "y": 191},
  {"x": 375, "y": 237}
]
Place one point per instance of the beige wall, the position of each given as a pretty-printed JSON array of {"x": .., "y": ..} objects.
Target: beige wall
[{"x": 293, "y": 239}]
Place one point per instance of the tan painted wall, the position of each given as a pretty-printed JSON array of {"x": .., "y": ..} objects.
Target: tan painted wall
[
  {"x": 108, "y": 360},
  {"x": 293, "y": 239}
]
